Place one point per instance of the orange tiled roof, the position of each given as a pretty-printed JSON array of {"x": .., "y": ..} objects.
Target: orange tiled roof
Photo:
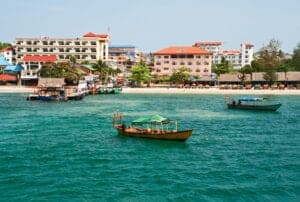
[
  {"x": 6, "y": 49},
  {"x": 182, "y": 50},
  {"x": 230, "y": 52},
  {"x": 248, "y": 44},
  {"x": 211, "y": 43},
  {"x": 7, "y": 77},
  {"x": 39, "y": 58},
  {"x": 91, "y": 34}
]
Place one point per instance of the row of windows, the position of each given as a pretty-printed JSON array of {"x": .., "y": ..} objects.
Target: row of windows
[
  {"x": 77, "y": 50},
  {"x": 190, "y": 70},
  {"x": 60, "y": 43},
  {"x": 182, "y": 56},
  {"x": 67, "y": 57},
  {"x": 183, "y": 63}
]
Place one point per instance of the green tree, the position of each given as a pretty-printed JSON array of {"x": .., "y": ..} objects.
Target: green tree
[
  {"x": 223, "y": 67},
  {"x": 256, "y": 66},
  {"x": 73, "y": 59},
  {"x": 296, "y": 58},
  {"x": 102, "y": 69},
  {"x": 140, "y": 73},
  {"x": 5, "y": 45},
  {"x": 269, "y": 58},
  {"x": 61, "y": 70},
  {"x": 180, "y": 76},
  {"x": 247, "y": 69}
]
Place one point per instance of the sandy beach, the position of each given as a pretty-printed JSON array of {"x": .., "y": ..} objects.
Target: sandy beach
[
  {"x": 15, "y": 89},
  {"x": 212, "y": 91}
]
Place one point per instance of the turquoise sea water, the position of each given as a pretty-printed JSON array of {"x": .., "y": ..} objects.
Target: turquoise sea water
[{"x": 69, "y": 150}]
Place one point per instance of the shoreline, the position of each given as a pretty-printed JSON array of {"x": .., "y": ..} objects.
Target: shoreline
[{"x": 209, "y": 91}]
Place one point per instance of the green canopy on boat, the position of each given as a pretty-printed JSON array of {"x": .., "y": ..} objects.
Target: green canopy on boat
[{"x": 150, "y": 119}]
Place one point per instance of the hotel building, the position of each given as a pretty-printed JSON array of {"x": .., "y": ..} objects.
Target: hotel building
[
  {"x": 33, "y": 52},
  {"x": 125, "y": 56},
  {"x": 238, "y": 58},
  {"x": 8, "y": 54},
  {"x": 167, "y": 60}
]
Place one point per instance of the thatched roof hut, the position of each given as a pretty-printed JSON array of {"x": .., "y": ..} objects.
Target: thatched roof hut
[
  {"x": 293, "y": 76},
  {"x": 233, "y": 77},
  {"x": 51, "y": 82}
]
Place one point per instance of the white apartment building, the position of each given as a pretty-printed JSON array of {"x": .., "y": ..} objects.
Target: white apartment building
[
  {"x": 238, "y": 58},
  {"x": 33, "y": 52},
  {"x": 7, "y": 53}
]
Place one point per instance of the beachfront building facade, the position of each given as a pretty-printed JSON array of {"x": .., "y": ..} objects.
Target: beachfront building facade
[
  {"x": 238, "y": 58},
  {"x": 167, "y": 60},
  {"x": 125, "y": 56},
  {"x": 7, "y": 53},
  {"x": 33, "y": 52},
  {"x": 90, "y": 47}
]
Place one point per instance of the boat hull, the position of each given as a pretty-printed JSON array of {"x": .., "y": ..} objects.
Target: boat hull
[
  {"x": 270, "y": 107},
  {"x": 165, "y": 135}
]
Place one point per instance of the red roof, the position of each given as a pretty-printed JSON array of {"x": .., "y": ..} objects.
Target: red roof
[
  {"x": 8, "y": 77},
  {"x": 39, "y": 58},
  {"x": 182, "y": 50},
  {"x": 91, "y": 34},
  {"x": 211, "y": 43},
  {"x": 248, "y": 44},
  {"x": 6, "y": 49},
  {"x": 230, "y": 52}
]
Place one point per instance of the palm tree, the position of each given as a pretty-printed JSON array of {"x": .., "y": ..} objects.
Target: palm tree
[{"x": 102, "y": 69}]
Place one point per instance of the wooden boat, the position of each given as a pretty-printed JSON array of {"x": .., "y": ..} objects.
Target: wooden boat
[
  {"x": 251, "y": 104},
  {"x": 152, "y": 131},
  {"x": 76, "y": 96},
  {"x": 49, "y": 89}
]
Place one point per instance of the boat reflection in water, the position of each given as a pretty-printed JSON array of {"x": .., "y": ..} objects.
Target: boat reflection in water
[
  {"x": 251, "y": 103},
  {"x": 156, "y": 127}
]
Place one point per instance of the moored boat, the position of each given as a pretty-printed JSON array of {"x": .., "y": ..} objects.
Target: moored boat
[
  {"x": 76, "y": 96},
  {"x": 155, "y": 127},
  {"x": 109, "y": 90},
  {"x": 251, "y": 103}
]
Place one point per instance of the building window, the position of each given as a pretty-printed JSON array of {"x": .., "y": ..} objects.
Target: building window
[
  {"x": 182, "y": 63},
  {"x": 158, "y": 57},
  {"x": 198, "y": 70},
  {"x": 198, "y": 56},
  {"x": 93, "y": 50},
  {"x": 198, "y": 63},
  {"x": 173, "y": 56},
  {"x": 205, "y": 70},
  {"x": 174, "y": 63},
  {"x": 93, "y": 43},
  {"x": 158, "y": 63},
  {"x": 77, "y": 43},
  {"x": 166, "y": 68},
  {"x": 206, "y": 63},
  {"x": 190, "y": 63},
  {"x": 207, "y": 56},
  {"x": 166, "y": 56},
  {"x": 158, "y": 70},
  {"x": 166, "y": 62}
]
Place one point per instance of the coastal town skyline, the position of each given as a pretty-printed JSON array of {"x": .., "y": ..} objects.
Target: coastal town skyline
[{"x": 150, "y": 27}]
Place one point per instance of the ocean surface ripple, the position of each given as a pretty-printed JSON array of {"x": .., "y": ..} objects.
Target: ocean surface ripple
[{"x": 69, "y": 150}]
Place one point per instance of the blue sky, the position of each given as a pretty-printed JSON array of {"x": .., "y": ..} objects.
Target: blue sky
[{"x": 155, "y": 24}]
